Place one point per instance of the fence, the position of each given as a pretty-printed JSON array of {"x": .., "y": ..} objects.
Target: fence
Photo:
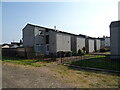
[
  {"x": 9, "y": 52},
  {"x": 18, "y": 52},
  {"x": 99, "y": 61}
]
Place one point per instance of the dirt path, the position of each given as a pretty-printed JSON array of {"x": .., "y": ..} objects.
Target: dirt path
[{"x": 15, "y": 76}]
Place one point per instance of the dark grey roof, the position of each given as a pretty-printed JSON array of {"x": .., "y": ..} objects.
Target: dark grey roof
[
  {"x": 39, "y": 26},
  {"x": 90, "y": 37},
  {"x": 84, "y": 36},
  {"x": 101, "y": 38},
  {"x": 80, "y": 35},
  {"x": 115, "y": 24},
  {"x": 58, "y": 30},
  {"x": 6, "y": 44},
  {"x": 16, "y": 43}
]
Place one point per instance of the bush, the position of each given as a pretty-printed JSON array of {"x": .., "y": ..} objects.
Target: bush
[
  {"x": 60, "y": 54},
  {"x": 68, "y": 54},
  {"x": 74, "y": 53},
  {"x": 104, "y": 49},
  {"x": 80, "y": 52}
]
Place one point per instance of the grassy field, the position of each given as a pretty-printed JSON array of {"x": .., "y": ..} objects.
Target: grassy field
[{"x": 99, "y": 61}]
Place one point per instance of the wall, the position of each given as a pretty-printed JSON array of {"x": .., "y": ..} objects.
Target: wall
[
  {"x": 91, "y": 45},
  {"x": 21, "y": 52},
  {"x": 80, "y": 43},
  {"x": 39, "y": 44},
  {"x": 18, "y": 52},
  {"x": 107, "y": 42},
  {"x": 63, "y": 42},
  {"x": 73, "y": 44},
  {"x": 9, "y": 52},
  {"x": 115, "y": 42},
  {"x": 52, "y": 41},
  {"x": 97, "y": 44},
  {"x": 28, "y": 36},
  {"x": 102, "y": 43}
]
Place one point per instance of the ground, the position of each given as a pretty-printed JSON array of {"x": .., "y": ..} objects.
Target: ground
[
  {"x": 19, "y": 76},
  {"x": 52, "y": 75}
]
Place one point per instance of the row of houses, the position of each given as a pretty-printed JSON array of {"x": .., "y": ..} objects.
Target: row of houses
[
  {"x": 46, "y": 40},
  {"x": 12, "y": 45}
]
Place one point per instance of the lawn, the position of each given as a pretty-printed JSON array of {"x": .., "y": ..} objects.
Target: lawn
[
  {"x": 31, "y": 62},
  {"x": 99, "y": 61}
]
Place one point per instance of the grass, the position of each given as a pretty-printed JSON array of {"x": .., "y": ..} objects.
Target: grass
[
  {"x": 32, "y": 62},
  {"x": 84, "y": 79},
  {"x": 99, "y": 61},
  {"x": 77, "y": 78}
]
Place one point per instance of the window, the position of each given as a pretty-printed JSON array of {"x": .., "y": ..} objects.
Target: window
[
  {"x": 40, "y": 32},
  {"x": 47, "y": 39}
]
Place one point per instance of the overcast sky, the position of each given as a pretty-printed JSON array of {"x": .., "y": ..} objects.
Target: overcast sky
[{"x": 89, "y": 17}]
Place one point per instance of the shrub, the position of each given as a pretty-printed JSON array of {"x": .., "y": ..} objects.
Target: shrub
[
  {"x": 60, "y": 54},
  {"x": 80, "y": 52},
  {"x": 102, "y": 50},
  {"x": 68, "y": 54},
  {"x": 74, "y": 53}
]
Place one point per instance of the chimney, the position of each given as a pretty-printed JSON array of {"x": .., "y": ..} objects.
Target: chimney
[{"x": 55, "y": 27}]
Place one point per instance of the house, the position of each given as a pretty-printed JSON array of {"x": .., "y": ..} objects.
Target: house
[
  {"x": 50, "y": 41},
  {"x": 16, "y": 44},
  {"x": 45, "y": 40},
  {"x": 107, "y": 41},
  {"x": 96, "y": 44},
  {"x": 89, "y": 44},
  {"x": 77, "y": 42},
  {"x": 5, "y": 45},
  {"x": 115, "y": 40},
  {"x": 102, "y": 42}
]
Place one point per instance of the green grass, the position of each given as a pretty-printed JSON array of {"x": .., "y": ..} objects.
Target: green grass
[
  {"x": 32, "y": 62},
  {"x": 100, "y": 61}
]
